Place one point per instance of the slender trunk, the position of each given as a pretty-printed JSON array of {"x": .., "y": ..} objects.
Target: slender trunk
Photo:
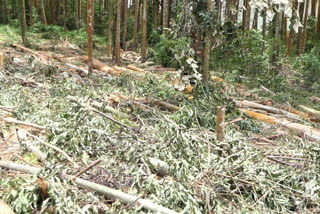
[
  {"x": 90, "y": 17},
  {"x": 304, "y": 34},
  {"x": 155, "y": 13},
  {"x": 58, "y": 10},
  {"x": 207, "y": 48},
  {"x": 5, "y": 11},
  {"x": 117, "y": 48},
  {"x": 110, "y": 25},
  {"x": 264, "y": 29},
  {"x": 313, "y": 8},
  {"x": 53, "y": 19},
  {"x": 31, "y": 12},
  {"x": 77, "y": 16},
  {"x": 255, "y": 19},
  {"x": 136, "y": 18},
  {"x": 219, "y": 11},
  {"x": 300, "y": 30},
  {"x": 169, "y": 12},
  {"x": 144, "y": 31},
  {"x": 44, "y": 18},
  {"x": 125, "y": 23},
  {"x": 285, "y": 27},
  {"x": 65, "y": 15},
  {"x": 23, "y": 22},
  {"x": 165, "y": 8},
  {"x": 291, "y": 34},
  {"x": 237, "y": 11},
  {"x": 244, "y": 16},
  {"x": 248, "y": 17},
  {"x": 36, "y": 5},
  {"x": 318, "y": 23}
]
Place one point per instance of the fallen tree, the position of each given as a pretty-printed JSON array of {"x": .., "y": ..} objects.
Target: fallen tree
[
  {"x": 304, "y": 131},
  {"x": 111, "y": 193}
]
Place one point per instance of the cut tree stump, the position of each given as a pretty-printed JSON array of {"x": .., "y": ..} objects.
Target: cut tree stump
[{"x": 220, "y": 124}]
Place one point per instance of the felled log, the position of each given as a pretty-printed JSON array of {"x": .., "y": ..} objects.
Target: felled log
[
  {"x": 32, "y": 125},
  {"x": 101, "y": 66},
  {"x": 135, "y": 68},
  {"x": 111, "y": 193},
  {"x": 160, "y": 167},
  {"x": 246, "y": 103},
  {"x": 310, "y": 111},
  {"x": 292, "y": 110},
  {"x": 307, "y": 132},
  {"x": 315, "y": 99},
  {"x": 162, "y": 104},
  {"x": 35, "y": 54},
  {"x": 4, "y": 208}
]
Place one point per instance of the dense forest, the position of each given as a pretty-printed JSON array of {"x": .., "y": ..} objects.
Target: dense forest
[{"x": 159, "y": 106}]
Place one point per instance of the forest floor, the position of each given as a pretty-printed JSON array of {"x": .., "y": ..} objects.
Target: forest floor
[{"x": 135, "y": 118}]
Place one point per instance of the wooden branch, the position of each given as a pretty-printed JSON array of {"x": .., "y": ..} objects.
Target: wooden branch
[
  {"x": 35, "y": 54},
  {"x": 308, "y": 132},
  {"x": 88, "y": 167},
  {"x": 162, "y": 104},
  {"x": 54, "y": 148},
  {"x": 8, "y": 109},
  {"x": 233, "y": 121},
  {"x": 111, "y": 193},
  {"x": 221, "y": 110},
  {"x": 310, "y": 111},
  {"x": 138, "y": 104},
  {"x": 40, "y": 155},
  {"x": 32, "y": 125}
]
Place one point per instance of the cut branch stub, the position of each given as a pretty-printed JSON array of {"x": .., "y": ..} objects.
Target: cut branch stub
[{"x": 221, "y": 111}]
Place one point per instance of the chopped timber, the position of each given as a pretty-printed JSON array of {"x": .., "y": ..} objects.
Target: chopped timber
[
  {"x": 304, "y": 131},
  {"x": 162, "y": 104},
  {"x": 111, "y": 193},
  {"x": 310, "y": 111},
  {"x": 32, "y": 125},
  {"x": 135, "y": 68},
  {"x": 220, "y": 123},
  {"x": 101, "y": 66},
  {"x": 4, "y": 208}
]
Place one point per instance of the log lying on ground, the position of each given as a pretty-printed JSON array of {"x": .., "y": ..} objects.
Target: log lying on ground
[
  {"x": 310, "y": 111},
  {"x": 162, "y": 104},
  {"x": 35, "y": 54},
  {"x": 249, "y": 104},
  {"x": 135, "y": 68},
  {"x": 32, "y": 125},
  {"x": 111, "y": 193},
  {"x": 5, "y": 209},
  {"x": 315, "y": 99},
  {"x": 304, "y": 131},
  {"x": 101, "y": 66},
  {"x": 292, "y": 110}
]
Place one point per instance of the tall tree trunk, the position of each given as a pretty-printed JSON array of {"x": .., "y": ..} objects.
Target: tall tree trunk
[
  {"x": 77, "y": 16},
  {"x": 304, "y": 34},
  {"x": 1, "y": 12},
  {"x": 23, "y": 22},
  {"x": 125, "y": 23},
  {"x": 219, "y": 11},
  {"x": 207, "y": 48},
  {"x": 110, "y": 26},
  {"x": 300, "y": 30},
  {"x": 136, "y": 18},
  {"x": 244, "y": 16},
  {"x": 5, "y": 11},
  {"x": 58, "y": 10},
  {"x": 65, "y": 10},
  {"x": 36, "y": 5},
  {"x": 165, "y": 8},
  {"x": 264, "y": 30},
  {"x": 255, "y": 19},
  {"x": 318, "y": 23},
  {"x": 117, "y": 48},
  {"x": 44, "y": 18},
  {"x": 285, "y": 27},
  {"x": 291, "y": 34},
  {"x": 313, "y": 8},
  {"x": 155, "y": 13},
  {"x": 144, "y": 31},
  {"x": 248, "y": 17},
  {"x": 90, "y": 26},
  {"x": 53, "y": 19},
  {"x": 31, "y": 12}
]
